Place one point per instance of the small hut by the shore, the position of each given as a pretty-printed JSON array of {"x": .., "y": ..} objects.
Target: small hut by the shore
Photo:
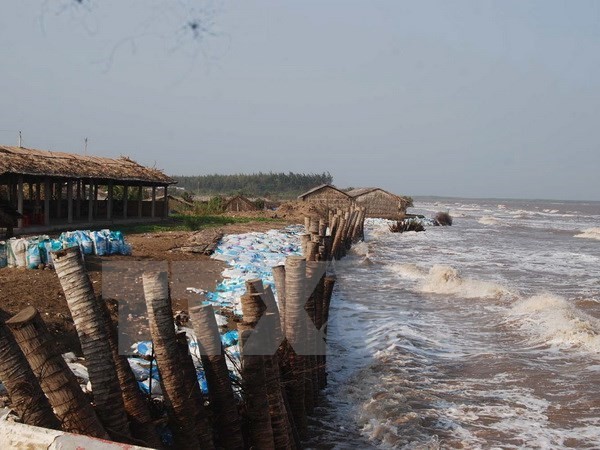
[
  {"x": 379, "y": 203},
  {"x": 328, "y": 196},
  {"x": 239, "y": 203},
  {"x": 178, "y": 204}
]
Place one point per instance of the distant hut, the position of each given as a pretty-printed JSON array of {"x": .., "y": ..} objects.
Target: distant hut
[
  {"x": 239, "y": 203},
  {"x": 178, "y": 204},
  {"x": 379, "y": 203},
  {"x": 328, "y": 196}
]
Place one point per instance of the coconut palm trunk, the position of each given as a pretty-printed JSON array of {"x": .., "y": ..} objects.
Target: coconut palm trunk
[
  {"x": 56, "y": 379},
  {"x": 255, "y": 307},
  {"x": 254, "y": 385},
  {"x": 227, "y": 421},
  {"x": 136, "y": 406},
  {"x": 295, "y": 293},
  {"x": 26, "y": 395},
  {"x": 91, "y": 329},
  {"x": 182, "y": 404}
]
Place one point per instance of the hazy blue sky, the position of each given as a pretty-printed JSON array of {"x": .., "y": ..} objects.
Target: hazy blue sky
[{"x": 471, "y": 98}]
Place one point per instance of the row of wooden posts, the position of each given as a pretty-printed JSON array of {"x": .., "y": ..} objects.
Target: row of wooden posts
[{"x": 282, "y": 357}]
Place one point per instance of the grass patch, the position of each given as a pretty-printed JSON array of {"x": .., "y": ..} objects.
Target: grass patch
[{"x": 183, "y": 222}]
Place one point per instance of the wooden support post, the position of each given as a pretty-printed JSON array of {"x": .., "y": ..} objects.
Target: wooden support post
[
  {"x": 69, "y": 201},
  {"x": 47, "y": 195},
  {"x": 26, "y": 395},
  {"x": 78, "y": 199},
  {"x": 93, "y": 335},
  {"x": 140, "y": 203},
  {"x": 190, "y": 426},
  {"x": 125, "y": 200},
  {"x": 58, "y": 195},
  {"x": 227, "y": 421},
  {"x": 38, "y": 198},
  {"x": 96, "y": 200},
  {"x": 109, "y": 200},
  {"x": 91, "y": 202},
  {"x": 166, "y": 204},
  {"x": 153, "y": 207},
  {"x": 20, "y": 200},
  {"x": 58, "y": 382}
]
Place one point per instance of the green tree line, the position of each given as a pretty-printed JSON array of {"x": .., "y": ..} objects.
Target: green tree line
[{"x": 274, "y": 185}]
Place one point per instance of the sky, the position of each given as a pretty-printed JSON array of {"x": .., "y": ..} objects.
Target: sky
[{"x": 471, "y": 98}]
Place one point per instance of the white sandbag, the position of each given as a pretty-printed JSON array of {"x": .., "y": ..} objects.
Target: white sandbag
[{"x": 17, "y": 252}]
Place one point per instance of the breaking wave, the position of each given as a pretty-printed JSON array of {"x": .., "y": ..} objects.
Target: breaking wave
[
  {"x": 557, "y": 322},
  {"x": 447, "y": 280},
  {"x": 590, "y": 233},
  {"x": 489, "y": 220},
  {"x": 410, "y": 271}
]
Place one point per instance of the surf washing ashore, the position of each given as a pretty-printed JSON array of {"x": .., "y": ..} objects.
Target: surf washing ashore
[{"x": 485, "y": 334}]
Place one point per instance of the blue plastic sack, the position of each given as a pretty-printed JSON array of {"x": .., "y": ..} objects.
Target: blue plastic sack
[
  {"x": 85, "y": 242},
  {"x": 34, "y": 257},
  {"x": 3, "y": 255},
  {"x": 230, "y": 338},
  {"x": 100, "y": 243}
]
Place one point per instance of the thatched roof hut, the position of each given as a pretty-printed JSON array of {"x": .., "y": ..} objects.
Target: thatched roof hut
[
  {"x": 239, "y": 203},
  {"x": 379, "y": 203},
  {"x": 328, "y": 196},
  {"x": 54, "y": 189},
  {"x": 26, "y": 161}
]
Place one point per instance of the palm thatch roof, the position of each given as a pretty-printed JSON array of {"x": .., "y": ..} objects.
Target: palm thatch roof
[
  {"x": 239, "y": 203},
  {"x": 354, "y": 193},
  {"x": 26, "y": 161},
  {"x": 320, "y": 187}
]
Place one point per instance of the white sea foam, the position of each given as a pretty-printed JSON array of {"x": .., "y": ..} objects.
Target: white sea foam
[
  {"x": 360, "y": 248},
  {"x": 555, "y": 321},
  {"x": 590, "y": 233},
  {"x": 489, "y": 220},
  {"x": 410, "y": 271},
  {"x": 447, "y": 280}
]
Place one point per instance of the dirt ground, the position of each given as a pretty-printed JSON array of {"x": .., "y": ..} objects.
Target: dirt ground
[{"x": 41, "y": 288}]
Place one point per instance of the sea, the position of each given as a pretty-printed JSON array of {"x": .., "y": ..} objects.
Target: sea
[{"x": 484, "y": 334}]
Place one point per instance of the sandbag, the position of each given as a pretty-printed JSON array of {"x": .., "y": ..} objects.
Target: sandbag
[
  {"x": 3, "y": 256},
  {"x": 85, "y": 242},
  {"x": 49, "y": 246},
  {"x": 100, "y": 243},
  {"x": 17, "y": 252},
  {"x": 34, "y": 257}
]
